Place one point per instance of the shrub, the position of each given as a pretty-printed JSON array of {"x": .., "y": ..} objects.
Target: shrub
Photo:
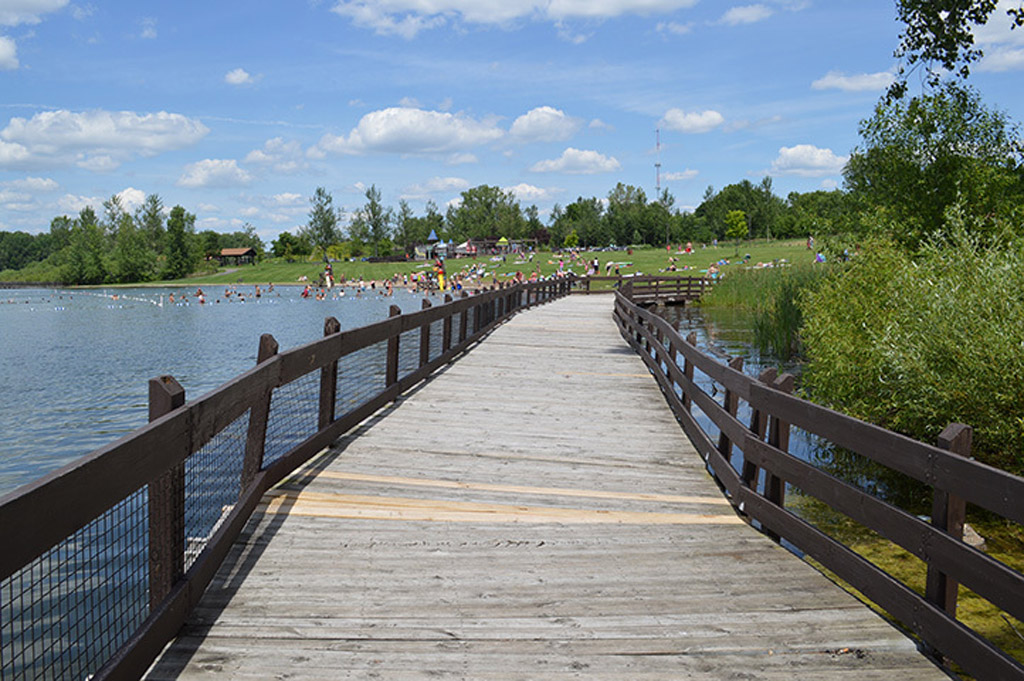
[{"x": 914, "y": 342}]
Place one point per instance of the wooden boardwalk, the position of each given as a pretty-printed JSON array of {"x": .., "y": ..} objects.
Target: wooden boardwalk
[{"x": 532, "y": 512}]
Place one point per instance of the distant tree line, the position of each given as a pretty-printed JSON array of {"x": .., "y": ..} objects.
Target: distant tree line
[
  {"x": 624, "y": 217},
  {"x": 120, "y": 247}
]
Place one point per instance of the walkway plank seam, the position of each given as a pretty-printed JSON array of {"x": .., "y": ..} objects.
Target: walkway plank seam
[{"x": 533, "y": 511}]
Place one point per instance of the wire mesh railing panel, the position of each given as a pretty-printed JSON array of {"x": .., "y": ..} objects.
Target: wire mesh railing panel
[
  {"x": 212, "y": 485},
  {"x": 408, "y": 353},
  {"x": 436, "y": 338},
  {"x": 66, "y": 613},
  {"x": 362, "y": 375},
  {"x": 294, "y": 414}
]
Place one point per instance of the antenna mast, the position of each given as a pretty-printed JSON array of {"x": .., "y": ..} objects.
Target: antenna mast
[{"x": 657, "y": 163}]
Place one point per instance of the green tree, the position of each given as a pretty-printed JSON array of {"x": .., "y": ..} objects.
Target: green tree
[
  {"x": 133, "y": 260},
  {"x": 624, "y": 214},
  {"x": 83, "y": 261},
  {"x": 60, "y": 230},
  {"x": 113, "y": 212},
  {"x": 178, "y": 250},
  {"x": 322, "y": 228},
  {"x": 485, "y": 212},
  {"x": 736, "y": 226},
  {"x": 209, "y": 243},
  {"x": 18, "y": 249},
  {"x": 583, "y": 216},
  {"x": 150, "y": 219},
  {"x": 922, "y": 156},
  {"x": 404, "y": 225},
  {"x": 376, "y": 218},
  {"x": 572, "y": 240},
  {"x": 941, "y": 32},
  {"x": 289, "y": 246}
]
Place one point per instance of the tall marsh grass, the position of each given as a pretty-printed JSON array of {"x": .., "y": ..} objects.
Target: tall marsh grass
[{"x": 772, "y": 295}]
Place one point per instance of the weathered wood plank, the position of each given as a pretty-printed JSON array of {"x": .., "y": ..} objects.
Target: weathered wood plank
[{"x": 534, "y": 511}]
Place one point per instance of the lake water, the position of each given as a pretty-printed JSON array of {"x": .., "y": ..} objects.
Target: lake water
[{"x": 75, "y": 365}]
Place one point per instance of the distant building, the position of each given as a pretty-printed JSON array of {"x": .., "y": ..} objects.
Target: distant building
[{"x": 237, "y": 256}]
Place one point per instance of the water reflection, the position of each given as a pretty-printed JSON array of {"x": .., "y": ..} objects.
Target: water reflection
[
  {"x": 74, "y": 365},
  {"x": 726, "y": 333}
]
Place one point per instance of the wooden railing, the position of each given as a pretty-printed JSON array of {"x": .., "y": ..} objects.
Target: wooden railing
[
  {"x": 103, "y": 559},
  {"x": 648, "y": 289},
  {"x": 763, "y": 445}
]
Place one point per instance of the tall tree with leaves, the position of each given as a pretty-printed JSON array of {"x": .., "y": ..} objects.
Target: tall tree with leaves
[
  {"x": 322, "y": 228},
  {"x": 921, "y": 156},
  {"x": 941, "y": 33},
  {"x": 403, "y": 225},
  {"x": 150, "y": 219},
  {"x": 486, "y": 211},
  {"x": 83, "y": 261},
  {"x": 178, "y": 250},
  {"x": 376, "y": 218},
  {"x": 133, "y": 261}
]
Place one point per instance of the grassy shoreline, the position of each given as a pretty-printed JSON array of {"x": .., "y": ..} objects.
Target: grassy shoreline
[{"x": 645, "y": 260}]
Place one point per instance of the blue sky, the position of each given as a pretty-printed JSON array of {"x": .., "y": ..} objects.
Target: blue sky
[{"x": 238, "y": 111}]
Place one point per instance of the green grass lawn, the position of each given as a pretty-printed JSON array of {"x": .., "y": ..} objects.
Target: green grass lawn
[{"x": 640, "y": 261}]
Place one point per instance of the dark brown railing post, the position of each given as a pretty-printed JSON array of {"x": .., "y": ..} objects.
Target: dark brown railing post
[
  {"x": 778, "y": 437},
  {"x": 446, "y": 327},
  {"x": 166, "y": 503},
  {"x": 691, "y": 338},
  {"x": 328, "y": 379},
  {"x": 391, "y": 373},
  {"x": 732, "y": 403},
  {"x": 259, "y": 413},
  {"x": 759, "y": 427},
  {"x": 948, "y": 514},
  {"x": 425, "y": 336},
  {"x": 463, "y": 320}
]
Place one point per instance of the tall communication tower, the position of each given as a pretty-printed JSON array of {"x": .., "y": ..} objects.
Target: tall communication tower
[{"x": 657, "y": 163}]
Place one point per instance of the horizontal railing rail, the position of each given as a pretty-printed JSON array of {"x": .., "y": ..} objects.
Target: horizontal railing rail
[
  {"x": 762, "y": 445},
  {"x": 648, "y": 289},
  {"x": 105, "y": 557}
]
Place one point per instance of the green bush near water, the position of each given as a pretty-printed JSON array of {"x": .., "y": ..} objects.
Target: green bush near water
[{"x": 913, "y": 342}]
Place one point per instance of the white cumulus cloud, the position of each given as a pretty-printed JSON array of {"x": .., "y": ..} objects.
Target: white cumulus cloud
[
  {"x": 284, "y": 156},
  {"x": 238, "y": 76},
  {"x": 746, "y": 14},
  {"x": 692, "y": 122},
  {"x": 674, "y": 27},
  {"x": 33, "y": 184},
  {"x": 406, "y": 18},
  {"x": 531, "y": 193},
  {"x": 8, "y": 54},
  {"x": 435, "y": 185},
  {"x": 806, "y": 160},
  {"x": 578, "y": 162},
  {"x": 680, "y": 175},
  {"x": 1003, "y": 46},
  {"x": 214, "y": 172},
  {"x": 73, "y": 203},
  {"x": 96, "y": 140},
  {"x": 544, "y": 124},
  {"x": 461, "y": 158},
  {"x": 131, "y": 198},
  {"x": 16, "y": 12},
  {"x": 861, "y": 82},
  {"x": 401, "y": 130}
]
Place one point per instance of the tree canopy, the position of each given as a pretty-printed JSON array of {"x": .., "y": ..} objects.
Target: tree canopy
[
  {"x": 941, "y": 32},
  {"x": 921, "y": 156}
]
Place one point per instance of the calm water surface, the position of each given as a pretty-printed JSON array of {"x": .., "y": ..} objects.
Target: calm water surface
[{"x": 75, "y": 365}]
